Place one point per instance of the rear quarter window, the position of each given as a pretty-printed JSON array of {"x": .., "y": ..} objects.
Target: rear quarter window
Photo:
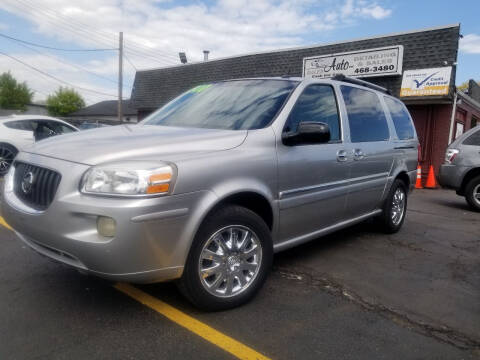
[
  {"x": 366, "y": 116},
  {"x": 473, "y": 139},
  {"x": 19, "y": 125},
  {"x": 401, "y": 119}
]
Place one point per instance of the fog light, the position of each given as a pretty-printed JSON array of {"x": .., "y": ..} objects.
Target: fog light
[{"x": 106, "y": 226}]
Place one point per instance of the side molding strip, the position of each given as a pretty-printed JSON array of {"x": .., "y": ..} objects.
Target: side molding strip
[
  {"x": 322, "y": 232},
  {"x": 160, "y": 215}
]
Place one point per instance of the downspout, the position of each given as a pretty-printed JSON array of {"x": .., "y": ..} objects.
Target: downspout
[{"x": 452, "y": 120}]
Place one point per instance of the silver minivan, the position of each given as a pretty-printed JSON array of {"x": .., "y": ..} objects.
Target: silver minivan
[{"x": 208, "y": 187}]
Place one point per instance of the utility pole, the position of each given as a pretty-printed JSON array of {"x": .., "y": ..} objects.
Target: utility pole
[{"x": 120, "y": 76}]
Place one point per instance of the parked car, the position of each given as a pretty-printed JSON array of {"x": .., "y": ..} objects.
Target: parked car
[
  {"x": 209, "y": 186},
  {"x": 91, "y": 125},
  {"x": 461, "y": 169},
  {"x": 19, "y": 131}
]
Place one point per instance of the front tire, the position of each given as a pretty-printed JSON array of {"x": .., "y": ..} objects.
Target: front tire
[
  {"x": 230, "y": 258},
  {"x": 7, "y": 154},
  {"x": 395, "y": 208},
  {"x": 472, "y": 193}
]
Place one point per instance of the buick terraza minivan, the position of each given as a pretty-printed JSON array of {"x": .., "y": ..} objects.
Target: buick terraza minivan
[{"x": 208, "y": 187}]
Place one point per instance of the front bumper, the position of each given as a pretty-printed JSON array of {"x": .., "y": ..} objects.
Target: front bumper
[{"x": 153, "y": 235}]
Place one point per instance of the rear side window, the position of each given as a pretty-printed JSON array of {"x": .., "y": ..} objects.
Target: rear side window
[
  {"x": 401, "y": 119},
  {"x": 473, "y": 139},
  {"x": 317, "y": 103},
  {"x": 365, "y": 115},
  {"x": 19, "y": 125}
]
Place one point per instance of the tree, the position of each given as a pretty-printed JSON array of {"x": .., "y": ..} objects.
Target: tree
[
  {"x": 14, "y": 95},
  {"x": 64, "y": 101}
]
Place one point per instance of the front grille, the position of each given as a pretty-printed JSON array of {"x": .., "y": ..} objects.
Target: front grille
[{"x": 34, "y": 185}]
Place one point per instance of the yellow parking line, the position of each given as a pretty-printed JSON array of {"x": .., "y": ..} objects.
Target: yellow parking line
[
  {"x": 217, "y": 338},
  {"x": 4, "y": 223}
]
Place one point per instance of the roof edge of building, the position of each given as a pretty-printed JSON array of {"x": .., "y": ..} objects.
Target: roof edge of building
[
  {"x": 469, "y": 99},
  {"x": 305, "y": 47}
]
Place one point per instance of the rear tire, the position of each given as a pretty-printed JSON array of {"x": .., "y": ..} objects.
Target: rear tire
[
  {"x": 229, "y": 260},
  {"x": 472, "y": 193},
  {"x": 395, "y": 208},
  {"x": 7, "y": 154}
]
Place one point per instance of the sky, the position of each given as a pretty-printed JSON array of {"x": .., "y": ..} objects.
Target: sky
[{"x": 155, "y": 31}]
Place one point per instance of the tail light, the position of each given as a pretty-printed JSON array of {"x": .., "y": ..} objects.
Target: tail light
[
  {"x": 419, "y": 151},
  {"x": 450, "y": 155}
]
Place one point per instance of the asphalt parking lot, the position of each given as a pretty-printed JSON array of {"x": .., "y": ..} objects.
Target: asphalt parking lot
[{"x": 356, "y": 294}]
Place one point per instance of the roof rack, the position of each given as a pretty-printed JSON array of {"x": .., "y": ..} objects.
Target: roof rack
[{"x": 341, "y": 77}]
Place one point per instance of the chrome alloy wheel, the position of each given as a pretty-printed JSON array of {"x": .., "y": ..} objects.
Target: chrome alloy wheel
[
  {"x": 6, "y": 159},
  {"x": 476, "y": 194},
  {"x": 398, "y": 206},
  {"x": 230, "y": 261}
]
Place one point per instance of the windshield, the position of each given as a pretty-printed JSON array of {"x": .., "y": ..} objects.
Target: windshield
[{"x": 232, "y": 105}]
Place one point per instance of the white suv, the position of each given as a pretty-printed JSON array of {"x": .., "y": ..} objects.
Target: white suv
[{"x": 18, "y": 131}]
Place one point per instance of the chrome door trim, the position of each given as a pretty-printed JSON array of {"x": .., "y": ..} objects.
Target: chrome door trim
[{"x": 304, "y": 189}]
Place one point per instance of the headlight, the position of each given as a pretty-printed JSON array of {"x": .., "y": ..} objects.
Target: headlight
[{"x": 135, "y": 178}]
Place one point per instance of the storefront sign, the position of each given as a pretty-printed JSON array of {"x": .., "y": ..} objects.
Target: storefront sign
[
  {"x": 372, "y": 62},
  {"x": 426, "y": 82}
]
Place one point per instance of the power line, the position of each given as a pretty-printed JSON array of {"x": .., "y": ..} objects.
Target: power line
[
  {"x": 149, "y": 57},
  {"x": 145, "y": 49},
  {"x": 72, "y": 65},
  {"x": 70, "y": 25},
  {"x": 55, "y": 20},
  {"x": 128, "y": 60},
  {"x": 50, "y": 47},
  {"x": 55, "y": 78}
]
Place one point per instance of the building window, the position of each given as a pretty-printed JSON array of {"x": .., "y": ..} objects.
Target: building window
[
  {"x": 459, "y": 130},
  {"x": 474, "y": 122}
]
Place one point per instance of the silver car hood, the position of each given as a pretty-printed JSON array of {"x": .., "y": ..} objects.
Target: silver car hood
[{"x": 135, "y": 142}]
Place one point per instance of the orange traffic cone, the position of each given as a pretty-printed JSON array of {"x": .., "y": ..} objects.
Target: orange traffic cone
[
  {"x": 431, "y": 182},
  {"x": 418, "y": 184}
]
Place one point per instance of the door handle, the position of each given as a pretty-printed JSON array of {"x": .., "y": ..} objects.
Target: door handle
[
  {"x": 342, "y": 155},
  {"x": 358, "y": 154},
  {"x": 404, "y": 147}
]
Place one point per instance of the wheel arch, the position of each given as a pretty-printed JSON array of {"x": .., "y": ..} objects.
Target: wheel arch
[
  {"x": 249, "y": 199},
  {"x": 466, "y": 179},
  {"x": 402, "y": 175},
  {"x": 2, "y": 142}
]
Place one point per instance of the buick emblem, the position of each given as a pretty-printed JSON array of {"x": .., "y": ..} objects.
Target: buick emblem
[{"x": 27, "y": 183}]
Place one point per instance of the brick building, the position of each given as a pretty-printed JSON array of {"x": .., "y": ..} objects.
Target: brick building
[{"x": 419, "y": 67}]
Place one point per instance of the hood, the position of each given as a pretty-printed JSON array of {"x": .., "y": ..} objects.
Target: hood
[{"x": 135, "y": 142}]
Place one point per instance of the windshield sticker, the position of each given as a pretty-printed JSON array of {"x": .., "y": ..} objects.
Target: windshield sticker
[{"x": 200, "y": 88}]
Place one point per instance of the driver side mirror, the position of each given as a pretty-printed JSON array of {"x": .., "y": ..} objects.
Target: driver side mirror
[{"x": 308, "y": 132}]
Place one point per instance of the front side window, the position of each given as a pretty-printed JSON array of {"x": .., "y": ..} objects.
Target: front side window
[
  {"x": 366, "y": 117},
  {"x": 230, "y": 105},
  {"x": 401, "y": 119},
  {"x": 317, "y": 103},
  {"x": 59, "y": 128}
]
